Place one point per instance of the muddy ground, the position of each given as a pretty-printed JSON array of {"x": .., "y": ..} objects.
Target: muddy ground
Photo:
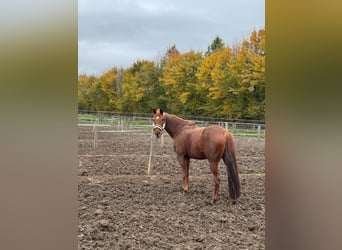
[{"x": 120, "y": 207}]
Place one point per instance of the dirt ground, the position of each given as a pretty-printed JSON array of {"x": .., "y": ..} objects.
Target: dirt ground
[{"x": 120, "y": 207}]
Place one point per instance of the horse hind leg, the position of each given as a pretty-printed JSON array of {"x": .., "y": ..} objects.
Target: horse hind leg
[{"x": 216, "y": 175}]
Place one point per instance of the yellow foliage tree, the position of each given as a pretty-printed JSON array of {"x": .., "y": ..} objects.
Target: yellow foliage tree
[
  {"x": 180, "y": 82},
  {"x": 138, "y": 85}
]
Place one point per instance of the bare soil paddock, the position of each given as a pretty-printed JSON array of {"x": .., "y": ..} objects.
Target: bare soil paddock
[{"x": 120, "y": 207}]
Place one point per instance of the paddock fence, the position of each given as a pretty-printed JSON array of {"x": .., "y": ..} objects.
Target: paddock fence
[{"x": 111, "y": 122}]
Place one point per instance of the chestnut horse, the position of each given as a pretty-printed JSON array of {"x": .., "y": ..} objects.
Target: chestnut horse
[{"x": 190, "y": 141}]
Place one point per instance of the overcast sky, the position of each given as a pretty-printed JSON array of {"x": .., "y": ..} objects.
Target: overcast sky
[{"x": 120, "y": 32}]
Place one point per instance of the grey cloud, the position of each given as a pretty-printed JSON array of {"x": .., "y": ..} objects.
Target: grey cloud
[{"x": 118, "y": 34}]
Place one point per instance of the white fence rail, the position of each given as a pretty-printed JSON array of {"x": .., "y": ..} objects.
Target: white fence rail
[{"x": 135, "y": 124}]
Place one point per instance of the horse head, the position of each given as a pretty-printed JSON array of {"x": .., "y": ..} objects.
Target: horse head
[{"x": 159, "y": 122}]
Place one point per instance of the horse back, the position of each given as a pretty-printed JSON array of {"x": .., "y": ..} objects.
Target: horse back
[{"x": 202, "y": 143}]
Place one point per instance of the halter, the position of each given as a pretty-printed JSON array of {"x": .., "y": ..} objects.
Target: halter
[{"x": 162, "y": 128}]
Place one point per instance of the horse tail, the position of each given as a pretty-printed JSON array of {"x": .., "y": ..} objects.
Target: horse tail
[{"x": 232, "y": 169}]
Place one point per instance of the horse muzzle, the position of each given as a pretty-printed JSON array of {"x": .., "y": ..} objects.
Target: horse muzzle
[{"x": 158, "y": 130}]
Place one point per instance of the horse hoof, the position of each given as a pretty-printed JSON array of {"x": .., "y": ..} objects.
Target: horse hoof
[{"x": 214, "y": 200}]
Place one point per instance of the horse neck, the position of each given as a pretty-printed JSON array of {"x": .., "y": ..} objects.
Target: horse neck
[{"x": 175, "y": 125}]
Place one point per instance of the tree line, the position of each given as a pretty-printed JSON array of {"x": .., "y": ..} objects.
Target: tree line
[{"x": 224, "y": 81}]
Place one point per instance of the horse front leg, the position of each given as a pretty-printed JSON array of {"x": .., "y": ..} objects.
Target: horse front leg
[{"x": 184, "y": 163}]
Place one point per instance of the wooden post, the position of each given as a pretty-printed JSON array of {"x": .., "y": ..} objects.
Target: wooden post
[
  {"x": 162, "y": 141},
  {"x": 150, "y": 161},
  {"x": 95, "y": 134},
  {"x": 259, "y": 129}
]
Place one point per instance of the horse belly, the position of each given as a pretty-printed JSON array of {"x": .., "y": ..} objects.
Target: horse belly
[
  {"x": 195, "y": 147},
  {"x": 196, "y": 155}
]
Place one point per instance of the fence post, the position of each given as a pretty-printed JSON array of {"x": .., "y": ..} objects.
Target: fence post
[
  {"x": 150, "y": 161},
  {"x": 259, "y": 129},
  {"x": 162, "y": 140},
  {"x": 95, "y": 133},
  {"x": 226, "y": 125}
]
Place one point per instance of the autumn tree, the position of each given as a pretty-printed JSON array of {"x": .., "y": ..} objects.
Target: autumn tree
[
  {"x": 84, "y": 83},
  {"x": 180, "y": 82},
  {"x": 98, "y": 93},
  {"x": 138, "y": 87},
  {"x": 249, "y": 73},
  {"x": 226, "y": 82},
  {"x": 234, "y": 79},
  {"x": 216, "y": 45},
  {"x": 109, "y": 86},
  {"x": 215, "y": 77}
]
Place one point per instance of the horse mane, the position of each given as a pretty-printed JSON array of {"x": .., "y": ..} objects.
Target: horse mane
[{"x": 181, "y": 120}]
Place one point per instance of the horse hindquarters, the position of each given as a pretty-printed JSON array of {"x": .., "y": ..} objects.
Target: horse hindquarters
[{"x": 232, "y": 170}]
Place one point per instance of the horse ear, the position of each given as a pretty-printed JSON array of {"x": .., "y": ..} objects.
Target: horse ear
[
  {"x": 161, "y": 111},
  {"x": 154, "y": 111}
]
